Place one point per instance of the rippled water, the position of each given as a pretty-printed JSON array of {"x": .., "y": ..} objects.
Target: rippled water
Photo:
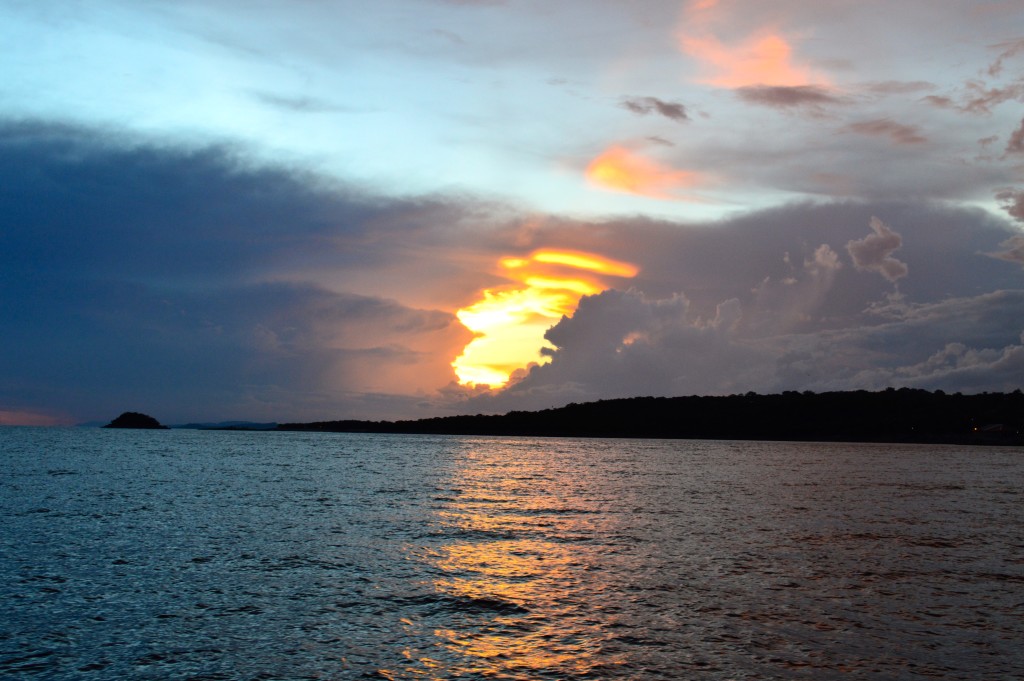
[{"x": 224, "y": 555}]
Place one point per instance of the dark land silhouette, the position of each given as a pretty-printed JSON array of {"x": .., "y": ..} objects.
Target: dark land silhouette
[
  {"x": 228, "y": 425},
  {"x": 904, "y": 415},
  {"x": 133, "y": 419}
]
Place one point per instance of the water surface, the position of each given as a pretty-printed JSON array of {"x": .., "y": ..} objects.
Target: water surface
[{"x": 231, "y": 555}]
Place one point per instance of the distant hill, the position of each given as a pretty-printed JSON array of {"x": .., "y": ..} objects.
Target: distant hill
[
  {"x": 904, "y": 415},
  {"x": 228, "y": 425}
]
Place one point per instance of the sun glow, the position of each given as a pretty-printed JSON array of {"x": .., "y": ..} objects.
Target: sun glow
[{"x": 510, "y": 322}]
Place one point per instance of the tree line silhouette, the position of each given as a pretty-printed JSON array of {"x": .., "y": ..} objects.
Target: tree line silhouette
[{"x": 904, "y": 415}]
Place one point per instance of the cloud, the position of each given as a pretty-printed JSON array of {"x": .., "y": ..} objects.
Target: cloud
[
  {"x": 622, "y": 170},
  {"x": 190, "y": 282},
  {"x": 884, "y": 127},
  {"x": 789, "y": 302},
  {"x": 980, "y": 99},
  {"x": 195, "y": 285},
  {"x": 1009, "y": 49},
  {"x": 298, "y": 104},
  {"x": 1012, "y": 201},
  {"x": 646, "y": 105},
  {"x": 978, "y": 96},
  {"x": 874, "y": 252},
  {"x": 763, "y": 302},
  {"x": 899, "y": 87},
  {"x": 940, "y": 101},
  {"x": 963, "y": 344},
  {"x": 788, "y": 97},
  {"x": 1012, "y": 250},
  {"x": 1015, "y": 145},
  {"x": 763, "y": 59},
  {"x": 623, "y": 344}
]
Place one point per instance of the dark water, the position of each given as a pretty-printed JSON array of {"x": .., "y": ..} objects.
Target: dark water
[{"x": 216, "y": 555}]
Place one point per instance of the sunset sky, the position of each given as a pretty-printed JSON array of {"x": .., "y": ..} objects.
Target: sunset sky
[{"x": 305, "y": 210}]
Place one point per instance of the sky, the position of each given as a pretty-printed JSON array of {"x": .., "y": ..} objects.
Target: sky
[{"x": 311, "y": 209}]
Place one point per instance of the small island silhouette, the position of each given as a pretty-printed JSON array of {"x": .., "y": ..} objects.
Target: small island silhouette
[{"x": 133, "y": 419}]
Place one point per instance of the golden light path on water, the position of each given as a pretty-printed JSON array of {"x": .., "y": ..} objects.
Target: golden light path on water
[
  {"x": 517, "y": 567},
  {"x": 509, "y": 322}
]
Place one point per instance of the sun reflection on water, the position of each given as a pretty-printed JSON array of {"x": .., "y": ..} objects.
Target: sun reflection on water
[{"x": 513, "y": 569}]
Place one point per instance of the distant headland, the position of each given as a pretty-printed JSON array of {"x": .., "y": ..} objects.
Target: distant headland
[
  {"x": 133, "y": 419},
  {"x": 899, "y": 416}
]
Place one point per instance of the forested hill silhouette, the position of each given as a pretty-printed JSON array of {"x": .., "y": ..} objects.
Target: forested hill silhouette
[{"x": 904, "y": 415}]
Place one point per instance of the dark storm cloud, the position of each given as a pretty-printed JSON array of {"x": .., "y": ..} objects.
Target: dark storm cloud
[
  {"x": 772, "y": 301},
  {"x": 788, "y": 97},
  {"x": 623, "y": 344},
  {"x": 647, "y": 105},
  {"x": 898, "y": 133},
  {"x": 75, "y": 202},
  {"x": 197, "y": 285},
  {"x": 137, "y": 273}
]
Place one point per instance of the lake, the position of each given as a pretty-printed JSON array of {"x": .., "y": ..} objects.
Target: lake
[{"x": 261, "y": 555}]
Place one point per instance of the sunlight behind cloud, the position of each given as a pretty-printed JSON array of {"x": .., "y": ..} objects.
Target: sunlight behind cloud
[{"x": 510, "y": 322}]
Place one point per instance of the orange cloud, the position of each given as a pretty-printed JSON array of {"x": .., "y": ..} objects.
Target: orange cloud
[
  {"x": 622, "y": 170},
  {"x": 762, "y": 59},
  {"x": 586, "y": 261}
]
